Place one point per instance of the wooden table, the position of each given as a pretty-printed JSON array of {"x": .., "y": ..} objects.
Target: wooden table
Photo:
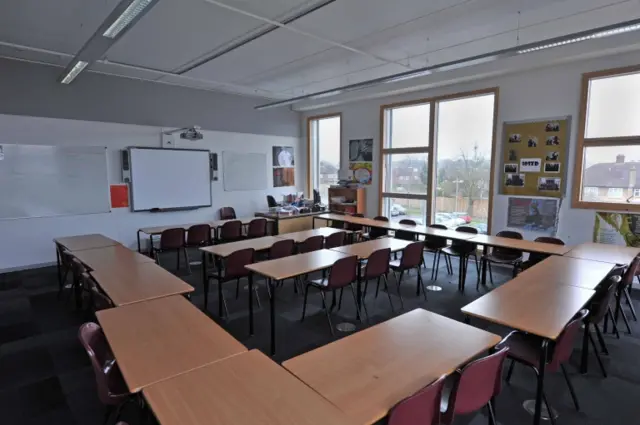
[
  {"x": 364, "y": 249},
  {"x": 156, "y": 340},
  {"x": 133, "y": 283},
  {"x": 367, "y": 373},
  {"x": 542, "y": 309},
  {"x": 246, "y": 389},
  {"x": 110, "y": 257},
  {"x": 286, "y": 268},
  {"x": 558, "y": 270},
  {"x": 302, "y": 236},
  {"x": 613, "y": 254}
]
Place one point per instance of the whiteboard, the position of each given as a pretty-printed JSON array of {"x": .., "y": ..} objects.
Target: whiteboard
[
  {"x": 46, "y": 181},
  {"x": 244, "y": 171},
  {"x": 169, "y": 178}
]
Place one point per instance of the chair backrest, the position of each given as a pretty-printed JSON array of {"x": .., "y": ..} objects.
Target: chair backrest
[
  {"x": 411, "y": 256},
  {"x": 271, "y": 201},
  {"x": 355, "y": 227},
  {"x": 257, "y": 228},
  {"x": 435, "y": 242},
  {"x": 343, "y": 272},
  {"x": 377, "y": 264},
  {"x": 231, "y": 231},
  {"x": 77, "y": 267},
  {"x": 97, "y": 348},
  {"x": 535, "y": 257},
  {"x": 566, "y": 341},
  {"x": 404, "y": 235},
  {"x": 99, "y": 301},
  {"x": 507, "y": 252},
  {"x": 335, "y": 240},
  {"x": 227, "y": 213},
  {"x": 172, "y": 238},
  {"x": 377, "y": 232},
  {"x": 477, "y": 383},
  {"x": 234, "y": 264},
  {"x": 627, "y": 277},
  {"x": 603, "y": 298},
  {"x": 199, "y": 235},
  {"x": 465, "y": 247},
  {"x": 420, "y": 408},
  {"x": 314, "y": 243},
  {"x": 280, "y": 249}
]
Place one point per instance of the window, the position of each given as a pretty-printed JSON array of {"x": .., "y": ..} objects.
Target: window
[
  {"x": 608, "y": 151},
  {"x": 433, "y": 171},
  {"x": 636, "y": 193},
  {"x": 324, "y": 135}
]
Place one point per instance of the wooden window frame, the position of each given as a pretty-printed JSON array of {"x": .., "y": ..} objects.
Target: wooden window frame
[
  {"x": 583, "y": 143},
  {"x": 432, "y": 148},
  {"x": 309, "y": 120}
]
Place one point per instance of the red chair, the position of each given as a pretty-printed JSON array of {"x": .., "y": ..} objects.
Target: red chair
[
  {"x": 474, "y": 386},
  {"x": 231, "y": 231},
  {"x": 314, "y": 243},
  {"x": 599, "y": 309},
  {"x": 281, "y": 249},
  {"x": 405, "y": 235},
  {"x": 525, "y": 349},
  {"x": 357, "y": 229},
  {"x": 534, "y": 257},
  {"x": 335, "y": 240},
  {"x": 257, "y": 228},
  {"x": 97, "y": 300},
  {"x": 623, "y": 291},
  {"x": 504, "y": 255},
  {"x": 376, "y": 232},
  {"x": 172, "y": 240},
  {"x": 435, "y": 245},
  {"x": 464, "y": 250},
  {"x": 112, "y": 390},
  {"x": 377, "y": 267},
  {"x": 421, "y": 408},
  {"x": 343, "y": 273},
  {"x": 198, "y": 235},
  {"x": 233, "y": 268},
  {"x": 227, "y": 213},
  {"x": 411, "y": 259},
  {"x": 65, "y": 266}
]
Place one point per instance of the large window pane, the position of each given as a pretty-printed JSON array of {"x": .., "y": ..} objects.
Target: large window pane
[
  {"x": 399, "y": 208},
  {"x": 408, "y": 126},
  {"x": 611, "y": 174},
  {"x": 325, "y": 154},
  {"x": 464, "y": 143},
  {"x": 406, "y": 173},
  {"x": 614, "y": 106}
]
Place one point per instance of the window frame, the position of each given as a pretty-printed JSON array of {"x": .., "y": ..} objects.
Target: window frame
[
  {"x": 310, "y": 148},
  {"x": 583, "y": 143},
  {"x": 431, "y": 149}
]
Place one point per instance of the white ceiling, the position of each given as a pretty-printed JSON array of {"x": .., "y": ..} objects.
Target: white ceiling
[{"x": 344, "y": 42}]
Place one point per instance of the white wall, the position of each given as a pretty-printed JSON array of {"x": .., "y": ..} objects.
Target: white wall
[
  {"x": 28, "y": 242},
  {"x": 541, "y": 93}
]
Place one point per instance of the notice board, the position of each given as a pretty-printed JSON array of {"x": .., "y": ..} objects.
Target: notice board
[{"x": 534, "y": 157}]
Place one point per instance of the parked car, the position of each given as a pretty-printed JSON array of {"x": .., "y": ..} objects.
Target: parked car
[
  {"x": 449, "y": 220},
  {"x": 463, "y": 215},
  {"x": 397, "y": 210}
]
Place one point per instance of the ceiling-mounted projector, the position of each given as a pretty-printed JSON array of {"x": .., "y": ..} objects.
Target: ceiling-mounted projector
[{"x": 188, "y": 133}]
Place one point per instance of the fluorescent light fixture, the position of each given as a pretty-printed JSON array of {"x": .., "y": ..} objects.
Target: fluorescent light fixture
[
  {"x": 601, "y": 34},
  {"x": 74, "y": 71},
  {"x": 134, "y": 9}
]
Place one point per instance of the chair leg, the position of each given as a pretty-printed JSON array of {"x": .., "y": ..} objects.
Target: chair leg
[
  {"x": 177, "y": 259},
  {"x": 420, "y": 283},
  {"x": 626, "y": 321},
  {"x": 595, "y": 350},
  {"x": 377, "y": 289},
  {"x": 326, "y": 311},
  {"x": 613, "y": 323},
  {"x": 447, "y": 259},
  {"x": 546, "y": 403},
  {"x": 490, "y": 272},
  {"x": 386, "y": 288},
  {"x": 510, "y": 371},
  {"x": 492, "y": 413},
  {"x": 601, "y": 339},
  {"x": 366, "y": 286},
  {"x": 255, "y": 291},
  {"x": 570, "y": 385},
  {"x": 340, "y": 299},
  {"x": 630, "y": 304},
  {"x": 355, "y": 300},
  {"x": 186, "y": 260},
  {"x": 237, "y": 288},
  {"x": 398, "y": 281},
  {"x": 304, "y": 305},
  {"x": 107, "y": 414}
]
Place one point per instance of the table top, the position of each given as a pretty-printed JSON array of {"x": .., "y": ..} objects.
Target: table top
[
  {"x": 521, "y": 245},
  {"x": 80, "y": 242},
  {"x": 133, "y": 283},
  {"x": 305, "y": 234},
  {"x": 156, "y": 340},
  {"x": 226, "y": 249},
  {"x": 108, "y": 257},
  {"x": 566, "y": 271},
  {"x": 296, "y": 265},
  {"x": 246, "y": 389},
  {"x": 614, "y": 254},
  {"x": 364, "y": 249},
  {"x": 543, "y": 308},
  {"x": 156, "y": 230},
  {"x": 365, "y": 374}
]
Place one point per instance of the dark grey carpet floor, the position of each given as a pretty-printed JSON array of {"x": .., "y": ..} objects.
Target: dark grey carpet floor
[{"x": 45, "y": 376}]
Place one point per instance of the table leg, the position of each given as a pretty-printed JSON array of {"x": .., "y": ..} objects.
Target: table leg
[
  {"x": 313, "y": 222},
  {"x": 151, "y": 246},
  {"x": 205, "y": 281},
  {"x": 585, "y": 349},
  {"x": 219, "y": 271},
  {"x": 59, "y": 267},
  {"x": 359, "y": 290},
  {"x": 273, "y": 315},
  {"x": 483, "y": 264},
  {"x": 467, "y": 319},
  {"x": 138, "y": 237},
  {"x": 250, "y": 303},
  {"x": 540, "y": 390},
  {"x": 460, "y": 272}
]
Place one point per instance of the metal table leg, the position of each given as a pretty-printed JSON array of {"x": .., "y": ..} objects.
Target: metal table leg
[
  {"x": 484, "y": 266},
  {"x": 219, "y": 271},
  {"x": 138, "y": 237},
  {"x": 205, "y": 281},
  {"x": 273, "y": 315},
  {"x": 59, "y": 266},
  {"x": 250, "y": 303},
  {"x": 359, "y": 290},
  {"x": 585, "y": 349},
  {"x": 540, "y": 389}
]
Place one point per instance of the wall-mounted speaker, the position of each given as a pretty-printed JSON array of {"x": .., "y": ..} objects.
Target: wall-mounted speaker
[
  {"x": 126, "y": 166},
  {"x": 213, "y": 165}
]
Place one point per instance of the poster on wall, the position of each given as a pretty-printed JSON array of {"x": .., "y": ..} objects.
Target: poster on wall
[
  {"x": 361, "y": 171},
  {"x": 533, "y": 214},
  {"x": 617, "y": 229},
  {"x": 284, "y": 176},
  {"x": 532, "y": 156},
  {"x": 361, "y": 160},
  {"x": 283, "y": 156},
  {"x": 119, "y": 195}
]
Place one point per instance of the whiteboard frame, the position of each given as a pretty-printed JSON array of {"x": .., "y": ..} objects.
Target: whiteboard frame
[{"x": 133, "y": 207}]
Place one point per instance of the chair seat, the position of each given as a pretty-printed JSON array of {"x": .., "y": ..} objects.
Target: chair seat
[
  {"x": 524, "y": 348},
  {"x": 456, "y": 251},
  {"x": 503, "y": 259},
  {"x": 433, "y": 248},
  {"x": 320, "y": 283}
]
